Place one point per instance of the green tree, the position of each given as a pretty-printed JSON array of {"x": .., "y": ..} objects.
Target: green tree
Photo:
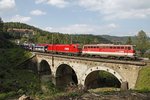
[
  {"x": 1, "y": 25},
  {"x": 1, "y": 30},
  {"x": 142, "y": 42},
  {"x": 129, "y": 41}
]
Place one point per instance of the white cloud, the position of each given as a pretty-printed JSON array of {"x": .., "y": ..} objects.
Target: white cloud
[
  {"x": 6, "y": 5},
  {"x": 112, "y": 25},
  {"x": 18, "y": 18},
  {"x": 57, "y": 3},
  {"x": 122, "y": 9},
  {"x": 132, "y": 14},
  {"x": 84, "y": 29},
  {"x": 76, "y": 28},
  {"x": 39, "y": 1},
  {"x": 48, "y": 28},
  {"x": 37, "y": 12}
]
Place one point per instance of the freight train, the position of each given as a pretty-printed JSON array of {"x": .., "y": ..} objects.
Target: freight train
[{"x": 95, "y": 50}]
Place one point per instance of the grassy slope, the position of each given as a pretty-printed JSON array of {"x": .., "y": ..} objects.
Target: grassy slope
[
  {"x": 10, "y": 56},
  {"x": 14, "y": 80},
  {"x": 143, "y": 82}
]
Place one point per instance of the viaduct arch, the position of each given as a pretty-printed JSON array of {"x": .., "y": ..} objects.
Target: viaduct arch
[
  {"x": 66, "y": 71},
  {"x": 44, "y": 67},
  {"x": 97, "y": 69},
  {"x": 65, "y": 75}
]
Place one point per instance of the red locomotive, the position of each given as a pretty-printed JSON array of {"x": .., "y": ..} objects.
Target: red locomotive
[{"x": 64, "y": 48}]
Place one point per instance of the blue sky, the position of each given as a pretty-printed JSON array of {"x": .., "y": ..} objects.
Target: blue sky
[{"x": 99, "y": 17}]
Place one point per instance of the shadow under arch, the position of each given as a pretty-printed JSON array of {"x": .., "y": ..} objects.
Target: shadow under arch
[
  {"x": 65, "y": 76},
  {"x": 96, "y": 77},
  {"x": 44, "y": 71}
]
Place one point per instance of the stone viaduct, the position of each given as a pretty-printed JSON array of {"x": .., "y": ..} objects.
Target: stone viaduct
[{"x": 64, "y": 70}]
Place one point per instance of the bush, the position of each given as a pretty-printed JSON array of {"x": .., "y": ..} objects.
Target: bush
[
  {"x": 50, "y": 88},
  {"x": 4, "y": 96}
]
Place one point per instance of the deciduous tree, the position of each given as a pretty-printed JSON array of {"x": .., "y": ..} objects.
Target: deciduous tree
[{"x": 142, "y": 41}]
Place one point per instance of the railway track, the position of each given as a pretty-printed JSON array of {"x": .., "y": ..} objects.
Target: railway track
[{"x": 136, "y": 62}]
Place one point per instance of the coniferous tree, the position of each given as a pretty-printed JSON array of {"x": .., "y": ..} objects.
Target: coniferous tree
[{"x": 129, "y": 41}]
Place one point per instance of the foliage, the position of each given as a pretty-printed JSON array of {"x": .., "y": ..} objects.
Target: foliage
[
  {"x": 4, "y": 96},
  {"x": 143, "y": 82},
  {"x": 10, "y": 56},
  {"x": 129, "y": 41},
  {"x": 1, "y": 25},
  {"x": 147, "y": 54},
  {"x": 51, "y": 88},
  {"x": 88, "y": 39},
  {"x": 73, "y": 94},
  {"x": 11, "y": 78},
  {"x": 61, "y": 95},
  {"x": 27, "y": 82},
  {"x": 19, "y": 80},
  {"x": 142, "y": 42},
  {"x": 4, "y": 43},
  {"x": 51, "y": 92}
]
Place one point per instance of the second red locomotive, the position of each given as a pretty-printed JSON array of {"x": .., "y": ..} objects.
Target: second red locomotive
[{"x": 109, "y": 50}]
